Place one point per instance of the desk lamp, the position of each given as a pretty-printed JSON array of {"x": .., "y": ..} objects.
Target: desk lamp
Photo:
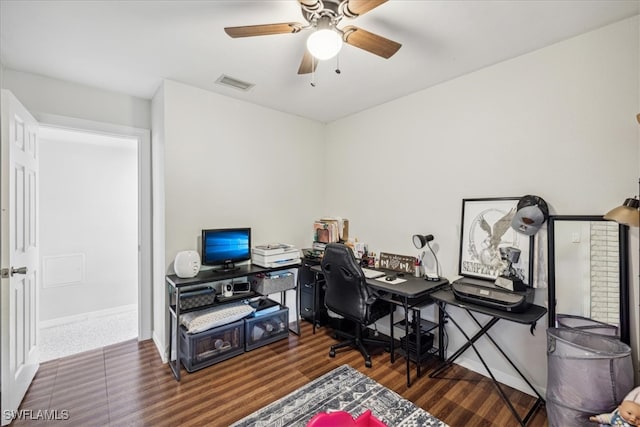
[{"x": 419, "y": 241}]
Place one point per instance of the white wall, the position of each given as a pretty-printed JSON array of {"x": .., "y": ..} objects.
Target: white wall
[
  {"x": 558, "y": 123},
  {"x": 228, "y": 163},
  {"x": 40, "y": 94},
  {"x": 89, "y": 225}
]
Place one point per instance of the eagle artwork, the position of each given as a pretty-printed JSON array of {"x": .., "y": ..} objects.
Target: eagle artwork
[{"x": 487, "y": 234}]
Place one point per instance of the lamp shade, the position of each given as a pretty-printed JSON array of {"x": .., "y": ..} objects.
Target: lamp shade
[
  {"x": 324, "y": 43},
  {"x": 627, "y": 214},
  {"x": 419, "y": 240}
]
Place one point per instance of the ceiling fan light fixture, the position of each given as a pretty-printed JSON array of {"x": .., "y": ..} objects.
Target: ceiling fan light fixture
[{"x": 324, "y": 43}]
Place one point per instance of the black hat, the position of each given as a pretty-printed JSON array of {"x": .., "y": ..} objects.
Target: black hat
[{"x": 531, "y": 214}]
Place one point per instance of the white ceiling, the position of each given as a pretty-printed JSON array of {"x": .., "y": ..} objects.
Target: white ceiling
[{"x": 130, "y": 46}]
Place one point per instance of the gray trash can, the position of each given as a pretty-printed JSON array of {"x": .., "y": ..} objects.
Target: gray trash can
[
  {"x": 587, "y": 325},
  {"x": 587, "y": 374}
]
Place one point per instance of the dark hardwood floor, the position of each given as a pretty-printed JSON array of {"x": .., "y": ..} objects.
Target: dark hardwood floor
[{"x": 128, "y": 385}]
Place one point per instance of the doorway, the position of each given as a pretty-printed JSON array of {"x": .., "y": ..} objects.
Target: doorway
[{"x": 89, "y": 219}]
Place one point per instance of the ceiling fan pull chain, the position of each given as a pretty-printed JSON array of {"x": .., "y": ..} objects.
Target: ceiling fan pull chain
[
  {"x": 338, "y": 63},
  {"x": 313, "y": 72}
]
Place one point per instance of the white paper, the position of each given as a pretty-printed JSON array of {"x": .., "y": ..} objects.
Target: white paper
[{"x": 391, "y": 282}]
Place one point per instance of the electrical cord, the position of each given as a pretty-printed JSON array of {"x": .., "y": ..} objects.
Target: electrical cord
[{"x": 445, "y": 338}]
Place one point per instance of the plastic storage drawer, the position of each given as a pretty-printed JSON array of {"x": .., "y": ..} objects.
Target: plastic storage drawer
[
  {"x": 263, "y": 329},
  {"x": 211, "y": 346}
]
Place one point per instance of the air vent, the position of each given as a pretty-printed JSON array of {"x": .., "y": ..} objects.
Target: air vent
[{"x": 234, "y": 83}]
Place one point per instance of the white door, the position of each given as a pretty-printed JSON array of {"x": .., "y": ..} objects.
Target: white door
[{"x": 19, "y": 253}]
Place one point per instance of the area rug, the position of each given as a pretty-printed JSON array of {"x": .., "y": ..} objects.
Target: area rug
[{"x": 343, "y": 389}]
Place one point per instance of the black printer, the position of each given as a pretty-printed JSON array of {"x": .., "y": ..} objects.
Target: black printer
[{"x": 484, "y": 292}]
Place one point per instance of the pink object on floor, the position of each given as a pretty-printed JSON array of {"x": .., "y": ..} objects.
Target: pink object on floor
[{"x": 344, "y": 419}]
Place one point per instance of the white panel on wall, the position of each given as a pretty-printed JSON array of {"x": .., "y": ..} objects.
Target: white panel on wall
[{"x": 62, "y": 270}]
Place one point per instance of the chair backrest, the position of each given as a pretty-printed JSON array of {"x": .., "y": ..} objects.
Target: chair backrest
[{"x": 346, "y": 292}]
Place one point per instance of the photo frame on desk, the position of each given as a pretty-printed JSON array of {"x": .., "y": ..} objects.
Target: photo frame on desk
[
  {"x": 485, "y": 228},
  {"x": 401, "y": 263}
]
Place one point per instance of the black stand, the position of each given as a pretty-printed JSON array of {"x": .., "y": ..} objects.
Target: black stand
[{"x": 530, "y": 317}]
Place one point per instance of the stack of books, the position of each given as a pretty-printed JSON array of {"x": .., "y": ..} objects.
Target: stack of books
[
  {"x": 329, "y": 230},
  {"x": 318, "y": 246}
]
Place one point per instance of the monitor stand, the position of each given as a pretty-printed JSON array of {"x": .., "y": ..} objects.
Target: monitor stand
[{"x": 228, "y": 267}]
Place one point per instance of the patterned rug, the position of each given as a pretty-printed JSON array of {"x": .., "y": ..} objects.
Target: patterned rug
[{"x": 343, "y": 389}]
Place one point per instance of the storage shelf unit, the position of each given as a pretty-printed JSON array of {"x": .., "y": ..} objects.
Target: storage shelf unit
[
  {"x": 186, "y": 346},
  {"x": 424, "y": 327}
]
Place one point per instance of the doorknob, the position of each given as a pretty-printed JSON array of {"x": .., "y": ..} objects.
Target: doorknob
[
  {"x": 21, "y": 270},
  {"x": 9, "y": 272}
]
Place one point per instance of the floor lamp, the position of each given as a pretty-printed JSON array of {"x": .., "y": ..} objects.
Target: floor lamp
[{"x": 629, "y": 213}]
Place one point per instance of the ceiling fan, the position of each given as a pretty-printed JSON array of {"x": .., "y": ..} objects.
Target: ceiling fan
[{"x": 323, "y": 17}]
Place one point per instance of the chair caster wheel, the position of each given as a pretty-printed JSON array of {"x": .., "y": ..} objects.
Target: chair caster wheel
[
  {"x": 332, "y": 353},
  {"x": 367, "y": 363}
]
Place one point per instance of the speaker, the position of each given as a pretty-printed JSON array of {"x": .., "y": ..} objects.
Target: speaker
[{"x": 186, "y": 264}]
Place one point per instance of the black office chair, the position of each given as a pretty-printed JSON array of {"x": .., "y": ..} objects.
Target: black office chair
[{"x": 348, "y": 295}]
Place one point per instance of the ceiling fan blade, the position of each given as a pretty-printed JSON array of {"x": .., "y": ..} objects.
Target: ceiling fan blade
[
  {"x": 355, "y": 8},
  {"x": 308, "y": 64},
  {"x": 370, "y": 42},
  {"x": 263, "y": 30}
]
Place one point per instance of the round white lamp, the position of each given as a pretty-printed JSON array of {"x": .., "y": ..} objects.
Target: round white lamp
[
  {"x": 186, "y": 264},
  {"x": 325, "y": 42}
]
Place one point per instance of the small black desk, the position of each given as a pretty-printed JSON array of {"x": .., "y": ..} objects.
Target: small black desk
[
  {"x": 176, "y": 284},
  {"x": 412, "y": 294},
  {"x": 528, "y": 317}
]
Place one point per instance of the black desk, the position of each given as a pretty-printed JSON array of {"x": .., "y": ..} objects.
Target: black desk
[
  {"x": 528, "y": 317},
  {"x": 412, "y": 294},
  {"x": 176, "y": 284}
]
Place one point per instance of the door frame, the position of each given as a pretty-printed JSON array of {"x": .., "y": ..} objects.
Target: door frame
[{"x": 143, "y": 137}]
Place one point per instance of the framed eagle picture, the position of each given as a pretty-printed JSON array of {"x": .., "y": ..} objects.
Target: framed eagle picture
[{"x": 485, "y": 230}]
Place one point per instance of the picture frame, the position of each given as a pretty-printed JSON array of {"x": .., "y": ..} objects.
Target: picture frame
[
  {"x": 401, "y": 263},
  {"x": 485, "y": 228}
]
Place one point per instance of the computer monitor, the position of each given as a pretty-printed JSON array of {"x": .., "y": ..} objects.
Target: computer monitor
[{"x": 224, "y": 247}]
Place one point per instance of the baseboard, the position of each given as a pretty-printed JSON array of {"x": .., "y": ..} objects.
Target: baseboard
[
  {"x": 161, "y": 351},
  {"x": 86, "y": 316}
]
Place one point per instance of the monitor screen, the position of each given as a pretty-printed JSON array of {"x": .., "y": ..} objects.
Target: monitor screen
[{"x": 226, "y": 246}]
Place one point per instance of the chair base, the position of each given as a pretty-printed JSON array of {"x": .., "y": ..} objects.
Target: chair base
[{"x": 358, "y": 342}]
